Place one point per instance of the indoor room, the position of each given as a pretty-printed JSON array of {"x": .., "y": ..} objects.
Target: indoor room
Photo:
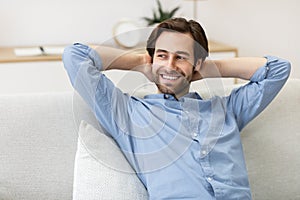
[{"x": 57, "y": 120}]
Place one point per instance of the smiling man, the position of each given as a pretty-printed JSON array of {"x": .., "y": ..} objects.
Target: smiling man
[
  {"x": 181, "y": 146},
  {"x": 177, "y": 50},
  {"x": 173, "y": 68}
]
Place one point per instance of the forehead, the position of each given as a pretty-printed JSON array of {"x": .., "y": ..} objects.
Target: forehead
[{"x": 175, "y": 41}]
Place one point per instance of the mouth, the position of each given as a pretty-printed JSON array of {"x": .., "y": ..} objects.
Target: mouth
[{"x": 169, "y": 77}]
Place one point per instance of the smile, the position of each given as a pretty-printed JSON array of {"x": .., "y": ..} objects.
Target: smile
[{"x": 169, "y": 77}]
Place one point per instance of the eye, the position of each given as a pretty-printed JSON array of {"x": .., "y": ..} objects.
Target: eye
[
  {"x": 180, "y": 57},
  {"x": 161, "y": 55}
]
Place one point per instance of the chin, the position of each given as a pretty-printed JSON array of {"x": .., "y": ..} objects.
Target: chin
[
  {"x": 170, "y": 88},
  {"x": 164, "y": 89}
]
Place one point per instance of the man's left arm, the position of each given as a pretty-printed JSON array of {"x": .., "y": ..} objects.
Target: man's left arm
[
  {"x": 242, "y": 68},
  {"x": 267, "y": 76}
]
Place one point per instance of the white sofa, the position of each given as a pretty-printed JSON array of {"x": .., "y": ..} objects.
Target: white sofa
[{"x": 38, "y": 142}]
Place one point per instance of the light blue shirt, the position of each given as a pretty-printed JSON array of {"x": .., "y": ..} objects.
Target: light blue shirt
[{"x": 188, "y": 148}]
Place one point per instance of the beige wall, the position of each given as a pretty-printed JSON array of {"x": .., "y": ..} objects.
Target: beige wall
[
  {"x": 256, "y": 27},
  {"x": 33, "y": 22}
]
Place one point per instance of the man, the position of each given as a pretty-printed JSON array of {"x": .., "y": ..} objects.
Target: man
[{"x": 181, "y": 146}]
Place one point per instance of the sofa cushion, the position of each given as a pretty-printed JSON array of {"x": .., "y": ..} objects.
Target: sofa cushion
[{"x": 101, "y": 171}]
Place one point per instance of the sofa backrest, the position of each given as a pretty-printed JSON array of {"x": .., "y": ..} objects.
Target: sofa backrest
[
  {"x": 37, "y": 146},
  {"x": 38, "y": 140},
  {"x": 272, "y": 147}
]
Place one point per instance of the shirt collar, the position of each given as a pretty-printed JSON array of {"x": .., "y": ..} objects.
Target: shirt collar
[{"x": 193, "y": 95}]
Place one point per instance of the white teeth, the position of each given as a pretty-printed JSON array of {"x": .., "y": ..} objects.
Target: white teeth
[{"x": 169, "y": 77}]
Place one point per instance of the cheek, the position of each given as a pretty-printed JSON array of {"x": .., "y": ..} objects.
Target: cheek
[
  {"x": 155, "y": 67},
  {"x": 153, "y": 70},
  {"x": 188, "y": 70}
]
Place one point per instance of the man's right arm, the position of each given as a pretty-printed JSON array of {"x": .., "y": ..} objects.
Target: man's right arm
[
  {"x": 109, "y": 104},
  {"x": 113, "y": 58}
]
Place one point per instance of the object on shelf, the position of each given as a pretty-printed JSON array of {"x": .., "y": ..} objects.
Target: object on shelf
[{"x": 38, "y": 51}]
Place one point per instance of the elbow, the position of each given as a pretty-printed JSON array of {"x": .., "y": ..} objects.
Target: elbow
[
  {"x": 286, "y": 69},
  {"x": 281, "y": 70},
  {"x": 70, "y": 62},
  {"x": 67, "y": 57},
  {"x": 289, "y": 67}
]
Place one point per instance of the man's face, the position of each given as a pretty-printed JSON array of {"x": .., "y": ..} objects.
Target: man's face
[{"x": 173, "y": 61}]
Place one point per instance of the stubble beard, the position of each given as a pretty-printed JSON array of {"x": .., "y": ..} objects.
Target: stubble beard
[{"x": 169, "y": 88}]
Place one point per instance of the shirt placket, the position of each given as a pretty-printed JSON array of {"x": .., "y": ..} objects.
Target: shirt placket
[{"x": 194, "y": 123}]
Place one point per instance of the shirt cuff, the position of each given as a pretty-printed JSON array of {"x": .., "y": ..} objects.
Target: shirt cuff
[{"x": 262, "y": 72}]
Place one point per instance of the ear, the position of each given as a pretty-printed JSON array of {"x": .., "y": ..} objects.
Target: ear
[
  {"x": 196, "y": 73},
  {"x": 198, "y": 65}
]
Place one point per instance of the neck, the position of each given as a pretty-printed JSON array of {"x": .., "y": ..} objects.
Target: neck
[{"x": 176, "y": 95}]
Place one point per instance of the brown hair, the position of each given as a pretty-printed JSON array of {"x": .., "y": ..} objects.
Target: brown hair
[{"x": 183, "y": 26}]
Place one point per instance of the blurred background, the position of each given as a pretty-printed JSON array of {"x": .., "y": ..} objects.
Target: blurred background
[{"x": 255, "y": 28}]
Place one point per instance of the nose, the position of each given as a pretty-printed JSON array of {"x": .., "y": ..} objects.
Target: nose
[{"x": 171, "y": 62}]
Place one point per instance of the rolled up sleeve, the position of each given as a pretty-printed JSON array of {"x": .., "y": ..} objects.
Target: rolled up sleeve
[
  {"x": 251, "y": 99},
  {"x": 83, "y": 65}
]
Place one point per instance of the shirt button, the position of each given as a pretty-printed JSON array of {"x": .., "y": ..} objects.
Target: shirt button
[
  {"x": 203, "y": 152},
  {"x": 209, "y": 179},
  {"x": 195, "y": 134},
  {"x": 166, "y": 96}
]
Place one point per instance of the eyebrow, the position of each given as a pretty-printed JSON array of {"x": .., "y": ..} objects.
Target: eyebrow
[{"x": 177, "y": 52}]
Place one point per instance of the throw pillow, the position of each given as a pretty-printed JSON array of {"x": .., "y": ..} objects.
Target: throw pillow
[{"x": 101, "y": 170}]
